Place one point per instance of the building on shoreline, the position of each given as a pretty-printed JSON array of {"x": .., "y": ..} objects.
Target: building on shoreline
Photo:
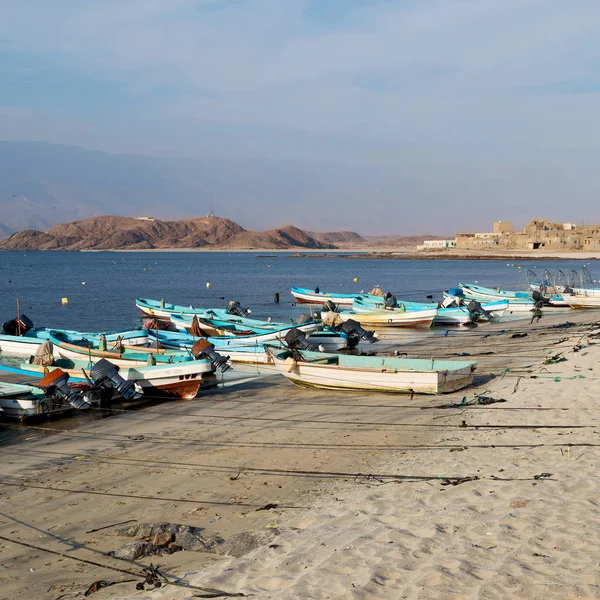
[
  {"x": 437, "y": 244},
  {"x": 537, "y": 234}
]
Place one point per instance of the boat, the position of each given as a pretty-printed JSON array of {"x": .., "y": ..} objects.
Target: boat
[
  {"x": 331, "y": 341},
  {"x": 446, "y": 315},
  {"x": 30, "y": 339},
  {"x": 372, "y": 373},
  {"x": 524, "y": 300},
  {"x": 582, "y": 300},
  {"x": 255, "y": 353},
  {"x": 306, "y": 296},
  {"x": 65, "y": 346},
  {"x": 235, "y": 314},
  {"x": 23, "y": 401},
  {"x": 259, "y": 336},
  {"x": 410, "y": 318},
  {"x": 178, "y": 380}
]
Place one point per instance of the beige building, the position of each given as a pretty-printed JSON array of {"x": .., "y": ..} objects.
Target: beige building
[
  {"x": 502, "y": 227},
  {"x": 537, "y": 234}
]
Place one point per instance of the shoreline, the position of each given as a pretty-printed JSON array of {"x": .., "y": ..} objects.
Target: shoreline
[
  {"x": 362, "y": 509},
  {"x": 365, "y": 253}
]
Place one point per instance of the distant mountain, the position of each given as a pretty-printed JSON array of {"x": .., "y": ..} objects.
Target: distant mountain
[
  {"x": 339, "y": 237},
  {"x": 127, "y": 233}
]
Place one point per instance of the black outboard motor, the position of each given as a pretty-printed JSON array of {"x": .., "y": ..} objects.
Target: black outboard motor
[
  {"x": 390, "y": 301},
  {"x": 56, "y": 385},
  {"x": 105, "y": 374},
  {"x": 539, "y": 299},
  {"x": 19, "y": 326},
  {"x": 354, "y": 330},
  {"x": 235, "y": 308},
  {"x": 477, "y": 310},
  {"x": 204, "y": 349},
  {"x": 329, "y": 306},
  {"x": 296, "y": 340}
]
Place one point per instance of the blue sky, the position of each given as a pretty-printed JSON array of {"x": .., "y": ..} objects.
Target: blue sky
[{"x": 478, "y": 100}]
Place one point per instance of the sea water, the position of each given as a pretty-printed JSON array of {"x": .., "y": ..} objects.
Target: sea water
[{"x": 100, "y": 287}]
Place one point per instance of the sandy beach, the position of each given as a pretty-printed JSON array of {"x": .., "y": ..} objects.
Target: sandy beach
[{"x": 321, "y": 495}]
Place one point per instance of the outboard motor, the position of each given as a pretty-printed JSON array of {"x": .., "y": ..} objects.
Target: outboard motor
[
  {"x": 390, "y": 301},
  {"x": 354, "y": 330},
  {"x": 56, "y": 384},
  {"x": 329, "y": 306},
  {"x": 303, "y": 319},
  {"x": 235, "y": 308},
  {"x": 539, "y": 299},
  {"x": 105, "y": 374},
  {"x": 476, "y": 310},
  {"x": 204, "y": 349},
  {"x": 19, "y": 326},
  {"x": 296, "y": 340}
]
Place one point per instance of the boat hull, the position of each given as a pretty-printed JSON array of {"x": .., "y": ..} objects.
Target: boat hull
[
  {"x": 334, "y": 375},
  {"x": 181, "y": 380},
  {"x": 304, "y": 296},
  {"x": 413, "y": 319},
  {"x": 19, "y": 402},
  {"x": 582, "y": 301}
]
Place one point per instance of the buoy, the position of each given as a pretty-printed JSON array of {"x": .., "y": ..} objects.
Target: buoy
[
  {"x": 83, "y": 283},
  {"x": 65, "y": 301},
  {"x": 518, "y": 267},
  {"x": 355, "y": 279},
  {"x": 208, "y": 284}
]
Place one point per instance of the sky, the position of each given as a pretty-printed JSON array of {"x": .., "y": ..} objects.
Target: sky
[{"x": 490, "y": 105}]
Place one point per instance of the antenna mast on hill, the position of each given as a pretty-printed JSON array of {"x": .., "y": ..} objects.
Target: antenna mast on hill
[{"x": 212, "y": 212}]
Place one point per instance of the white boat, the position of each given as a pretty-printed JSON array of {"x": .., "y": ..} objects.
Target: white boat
[
  {"x": 179, "y": 380},
  {"x": 582, "y": 300},
  {"x": 23, "y": 401},
  {"x": 457, "y": 314},
  {"x": 372, "y": 373}
]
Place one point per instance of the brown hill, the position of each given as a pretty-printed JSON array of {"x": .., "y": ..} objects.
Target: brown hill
[{"x": 128, "y": 233}]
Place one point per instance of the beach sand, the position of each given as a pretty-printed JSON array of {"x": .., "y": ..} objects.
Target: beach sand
[{"x": 364, "y": 484}]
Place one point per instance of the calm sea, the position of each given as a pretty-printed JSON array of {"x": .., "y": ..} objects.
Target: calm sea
[{"x": 101, "y": 286}]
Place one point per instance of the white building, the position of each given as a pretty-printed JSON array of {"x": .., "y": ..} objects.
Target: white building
[{"x": 437, "y": 244}]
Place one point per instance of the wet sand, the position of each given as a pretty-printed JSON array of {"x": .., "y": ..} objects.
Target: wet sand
[{"x": 362, "y": 509}]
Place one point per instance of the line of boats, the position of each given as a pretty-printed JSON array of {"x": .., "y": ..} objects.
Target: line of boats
[{"x": 181, "y": 350}]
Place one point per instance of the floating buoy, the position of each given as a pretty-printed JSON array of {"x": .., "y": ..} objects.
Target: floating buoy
[
  {"x": 83, "y": 283},
  {"x": 355, "y": 279},
  {"x": 208, "y": 284},
  {"x": 518, "y": 267},
  {"x": 65, "y": 301}
]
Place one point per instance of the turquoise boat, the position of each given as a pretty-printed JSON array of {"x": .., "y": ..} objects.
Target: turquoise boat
[{"x": 485, "y": 294}]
